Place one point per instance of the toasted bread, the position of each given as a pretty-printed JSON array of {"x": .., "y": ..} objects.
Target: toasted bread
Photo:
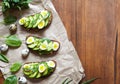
[
  {"x": 37, "y": 74},
  {"x": 51, "y": 52}
]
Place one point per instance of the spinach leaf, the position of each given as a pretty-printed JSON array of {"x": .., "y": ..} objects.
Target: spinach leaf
[
  {"x": 15, "y": 67},
  {"x": 13, "y": 41},
  {"x": 9, "y": 19},
  {"x": 3, "y": 58},
  {"x": 11, "y": 80}
]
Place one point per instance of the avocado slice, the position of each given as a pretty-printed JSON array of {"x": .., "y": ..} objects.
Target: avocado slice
[
  {"x": 38, "y": 21},
  {"x": 27, "y": 73},
  {"x": 33, "y": 75},
  {"x": 31, "y": 22},
  {"x": 31, "y": 45},
  {"x": 50, "y": 46},
  {"x": 38, "y": 45},
  {"x": 46, "y": 22},
  {"x": 35, "y": 17},
  {"x": 27, "y": 22},
  {"x": 38, "y": 75}
]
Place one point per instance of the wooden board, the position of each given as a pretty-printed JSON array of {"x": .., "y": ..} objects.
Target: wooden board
[
  {"x": 94, "y": 28},
  {"x": 93, "y": 33}
]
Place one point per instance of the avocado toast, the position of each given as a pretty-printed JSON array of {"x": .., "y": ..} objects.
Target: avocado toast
[
  {"x": 39, "y": 69},
  {"x": 43, "y": 46},
  {"x": 37, "y": 21}
]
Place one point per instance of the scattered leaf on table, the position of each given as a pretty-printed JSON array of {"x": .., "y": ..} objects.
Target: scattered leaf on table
[
  {"x": 3, "y": 58},
  {"x": 15, "y": 67},
  {"x": 11, "y": 80},
  {"x": 13, "y": 41},
  {"x": 90, "y": 81},
  {"x": 9, "y": 19}
]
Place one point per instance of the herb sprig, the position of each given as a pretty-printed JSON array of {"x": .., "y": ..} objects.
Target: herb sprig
[{"x": 15, "y": 4}]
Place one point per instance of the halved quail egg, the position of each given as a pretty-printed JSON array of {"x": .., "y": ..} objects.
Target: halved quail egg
[
  {"x": 42, "y": 68},
  {"x": 55, "y": 46},
  {"x": 22, "y": 21},
  {"x": 30, "y": 40},
  {"x": 51, "y": 64}
]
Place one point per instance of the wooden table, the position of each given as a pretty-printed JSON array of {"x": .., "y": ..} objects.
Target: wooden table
[{"x": 94, "y": 28}]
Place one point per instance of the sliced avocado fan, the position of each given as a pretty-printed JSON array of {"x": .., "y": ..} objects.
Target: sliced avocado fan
[
  {"x": 38, "y": 20},
  {"x": 42, "y": 45},
  {"x": 39, "y": 69}
]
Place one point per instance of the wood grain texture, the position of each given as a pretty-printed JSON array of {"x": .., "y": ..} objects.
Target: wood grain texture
[
  {"x": 94, "y": 28},
  {"x": 94, "y": 35},
  {"x": 117, "y": 72}
]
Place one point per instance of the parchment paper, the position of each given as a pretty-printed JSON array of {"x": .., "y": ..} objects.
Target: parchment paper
[{"x": 68, "y": 63}]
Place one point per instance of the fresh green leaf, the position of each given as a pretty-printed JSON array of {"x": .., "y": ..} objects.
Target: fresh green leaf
[
  {"x": 66, "y": 81},
  {"x": 11, "y": 80},
  {"x": 90, "y": 81},
  {"x": 16, "y": 1},
  {"x": 3, "y": 58},
  {"x": 14, "y": 4},
  {"x": 15, "y": 67},
  {"x": 13, "y": 41},
  {"x": 9, "y": 19},
  {"x": 69, "y": 81}
]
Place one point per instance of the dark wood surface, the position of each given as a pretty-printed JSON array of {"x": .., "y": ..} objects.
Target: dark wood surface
[{"x": 94, "y": 28}]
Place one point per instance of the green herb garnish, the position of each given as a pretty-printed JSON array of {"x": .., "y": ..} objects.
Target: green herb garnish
[
  {"x": 11, "y": 80},
  {"x": 3, "y": 58},
  {"x": 15, "y": 67},
  {"x": 13, "y": 41},
  {"x": 14, "y": 4}
]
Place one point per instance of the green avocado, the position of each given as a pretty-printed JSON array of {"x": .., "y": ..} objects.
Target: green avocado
[
  {"x": 32, "y": 45},
  {"x": 31, "y": 22},
  {"x": 27, "y": 73},
  {"x": 33, "y": 75},
  {"x": 37, "y": 46},
  {"x": 38, "y": 21},
  {"x": 27, "y": 22},
  {"x": 35, "y": 17},
  {"x": 38, "y": 75}
]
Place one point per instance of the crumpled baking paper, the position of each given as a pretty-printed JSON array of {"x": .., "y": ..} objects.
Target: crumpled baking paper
[{"x": 68, "y": 63}]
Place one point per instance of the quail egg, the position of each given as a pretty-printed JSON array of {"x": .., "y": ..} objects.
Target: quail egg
[
  {"x": 3, "y": 48},
  {"x": 22, "y": 80},
  {"x": 25, "y": 53},
  {"x": 13, "y": 28}
]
